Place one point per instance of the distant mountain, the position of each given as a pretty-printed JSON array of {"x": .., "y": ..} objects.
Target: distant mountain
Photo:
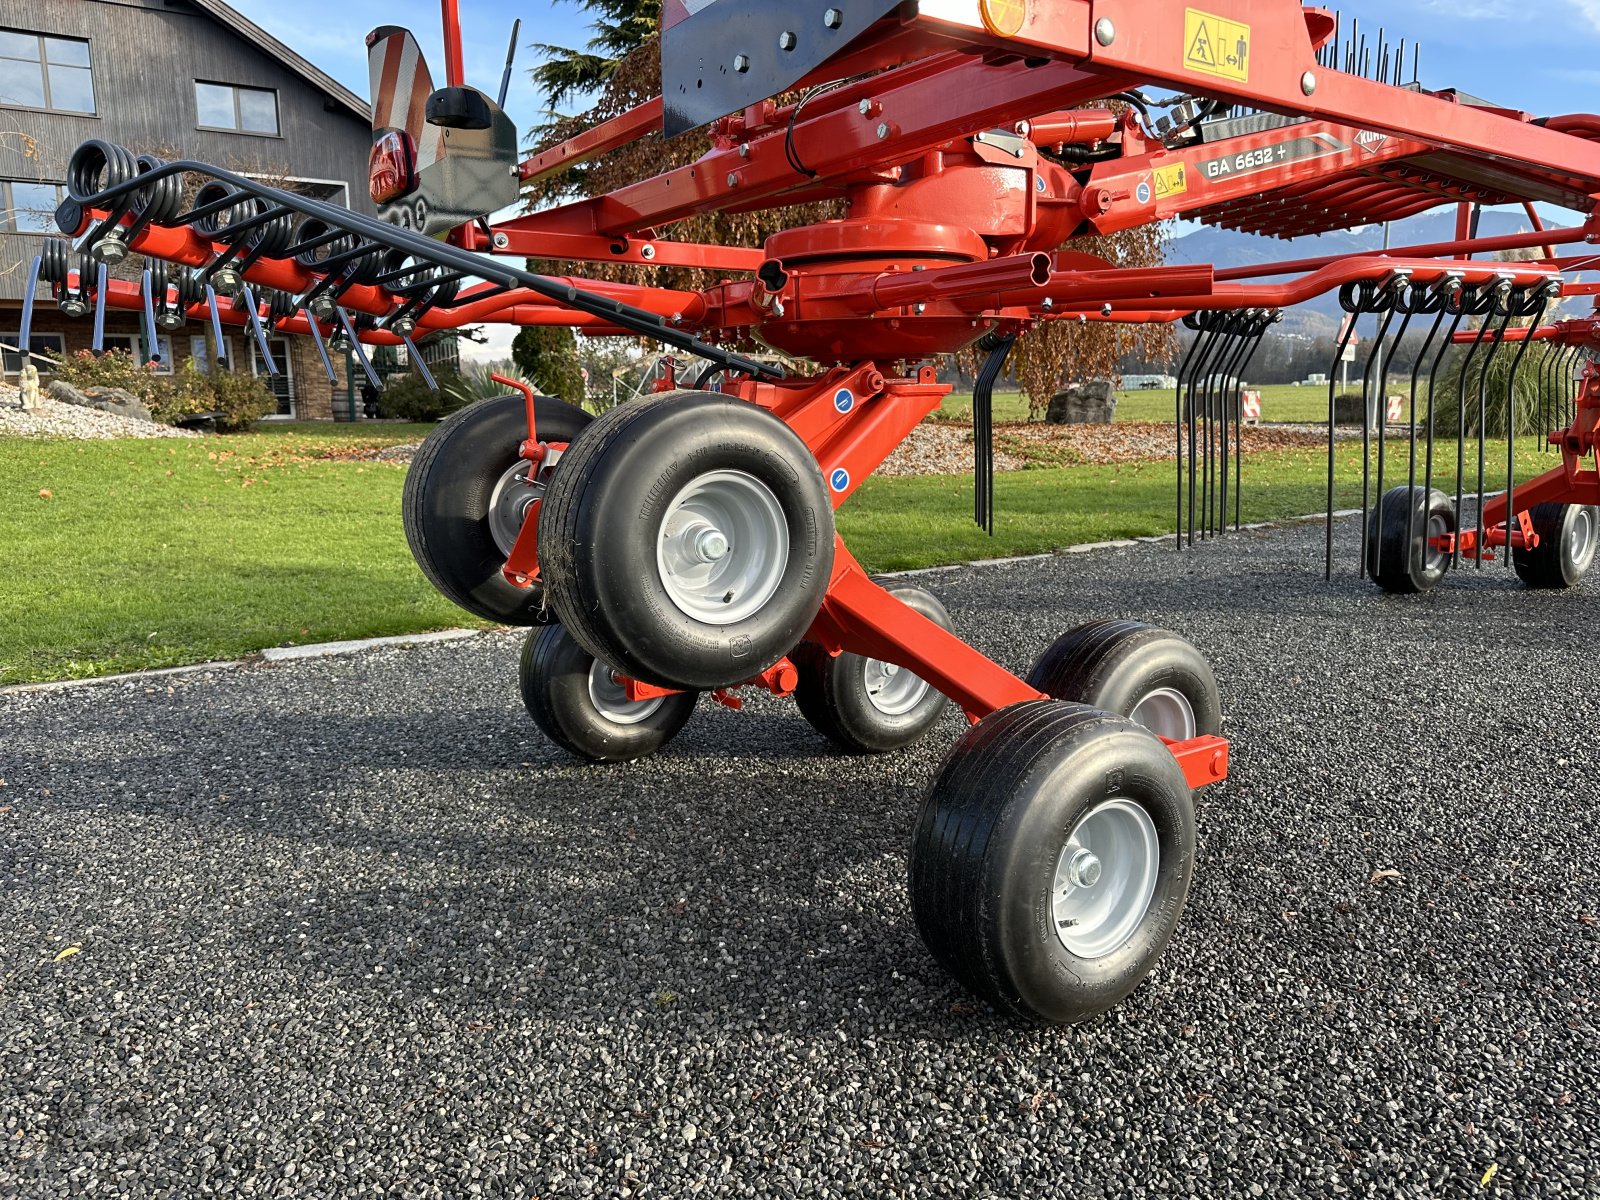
[{"x": 1225, "y": 248}]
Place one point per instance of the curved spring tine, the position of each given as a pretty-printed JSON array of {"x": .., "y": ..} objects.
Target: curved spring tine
[
  {"x": 216, "y": 323},
  {"x": 322, "y": 348},
  {"x": 422, "y": 367},
  {"x": 1333, "y": 387},
  {"x": 1461, "y": 433},
  {"x": 1483, "y": 421},
  {"x": 1411, "y": 478},
  {"x": 1387, "y": 360},
  {"x": 25, "y": 334},
  {"x": 1184, "y": 368},
  {"x": 1373, "y": 358},
  {"x": 253, "y": 310},
  {"x": 100, "y": 309},
  {"x": 152, "y": 346},
  {"x": 358, "y": 349},
  {"x": 1267, "y": 321},
  {"x": 1511, "y": 423}
]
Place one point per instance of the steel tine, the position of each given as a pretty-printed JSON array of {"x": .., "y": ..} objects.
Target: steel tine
[
  {"x": 1263, "y": 322},
  {"x": 1203, "y": 338},
  {"x": 1461, "y": 433},
  {"x": 1245, "y": 336},
  {"x": 1366, "y": 433},
  {"x": 358, "y": 349},
  {"x": 1433, "y": 379},
  {"x": 1483, "y": 421},
  {"x": 216, "y": 322},
  {"x": 253, "y": 311},
  {"x": 1411, "y": 457},
  {"x": 1185, "y": 369},
  {"x": 99, "y": 342},
  {"x": 1219, "y": 323},
  {"x": 322, "y": 348},
  {"x": 1333, "y": 387},
  {"x": 25, "y": 334},
  {"x": 1511, "y": 423},
  {"x": 433, "y": 384},
  {"x": 1402, "y": 295},
  {"x": 152, "y": 346}
]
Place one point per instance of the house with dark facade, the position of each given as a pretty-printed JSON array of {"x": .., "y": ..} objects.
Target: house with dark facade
[{"x": 190, "y": 78}]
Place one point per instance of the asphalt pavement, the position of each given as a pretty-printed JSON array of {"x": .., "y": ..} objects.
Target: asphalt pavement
[{"x": 351, "y": 927}]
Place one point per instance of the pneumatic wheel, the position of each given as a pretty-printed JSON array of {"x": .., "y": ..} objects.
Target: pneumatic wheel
[
  {"x": 864, "y": 705},
  {"x": 1151, "y": 676},
  {"x": 466, "y": 496},
  {"x": 687, "y": 539},
  {"x": 1403, "y": 555},
  {"x": 1569, "y": 535},
  {"x": 1052, "y": 858},
  {"x": 580, "y": 705}
]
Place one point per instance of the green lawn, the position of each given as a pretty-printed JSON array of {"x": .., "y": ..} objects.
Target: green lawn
[
  {"x": 1280, "y": 402},
  {"x": 160, "y": 553}
]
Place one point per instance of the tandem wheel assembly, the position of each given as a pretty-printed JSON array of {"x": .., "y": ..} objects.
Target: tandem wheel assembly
[{"x": 467, "y": 495}]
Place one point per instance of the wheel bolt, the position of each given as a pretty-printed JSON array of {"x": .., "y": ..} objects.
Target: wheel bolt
[
  {"x": 711, "y": 545},
  {"x": 890, "y": 670},
  {"x": 1083, "y": 870}
]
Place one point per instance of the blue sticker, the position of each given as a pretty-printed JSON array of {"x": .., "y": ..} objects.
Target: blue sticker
[
  {"x": 1143, "y": 193},
  {"x": 844, "y": 400},
  {"x": 1039, "y": 184},
  {"x": 839, "y": 480}
]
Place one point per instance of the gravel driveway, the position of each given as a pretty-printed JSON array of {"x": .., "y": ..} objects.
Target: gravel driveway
[{"x": 350, "y": 927}]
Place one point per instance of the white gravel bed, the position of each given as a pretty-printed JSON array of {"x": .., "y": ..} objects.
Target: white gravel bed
[{"x": 57, "y": 420}]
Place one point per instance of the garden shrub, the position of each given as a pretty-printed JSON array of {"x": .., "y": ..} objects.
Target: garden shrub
[
  {"x": 241, "y": 399},
  {"x": 407, "y": 397}
]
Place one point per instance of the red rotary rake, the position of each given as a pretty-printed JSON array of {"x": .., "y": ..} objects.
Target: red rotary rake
[{"x": 685, "y": 543}]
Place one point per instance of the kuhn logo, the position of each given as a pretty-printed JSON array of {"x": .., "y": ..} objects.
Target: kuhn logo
[{"x": 1371, "y": 140}]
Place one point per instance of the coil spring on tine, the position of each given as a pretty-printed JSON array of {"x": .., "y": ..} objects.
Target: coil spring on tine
[
  {"x": 213, "y": 225},
  {"x": 280, "y": 305},
  {"x": 54, "y": 257},
  {"x": 159, "y": 201},
  {"x": 97, "y": 166},
  {"x": 314, "y": 229},
  {"x": 191, "y": 287}
]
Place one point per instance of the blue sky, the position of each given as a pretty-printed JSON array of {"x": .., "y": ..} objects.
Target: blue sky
[{"x": 1513, "y": 52}]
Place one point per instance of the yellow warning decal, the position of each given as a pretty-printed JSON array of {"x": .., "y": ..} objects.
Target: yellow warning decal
[
  {"x": 1216, "y": 45},
  {"x": 1171, "y": 180}
]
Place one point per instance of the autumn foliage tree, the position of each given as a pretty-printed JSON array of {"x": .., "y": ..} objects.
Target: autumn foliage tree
[{"x": 621, "y": 68}]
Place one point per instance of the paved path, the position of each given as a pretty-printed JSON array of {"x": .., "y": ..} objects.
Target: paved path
[{"x": 351, "y": 927}]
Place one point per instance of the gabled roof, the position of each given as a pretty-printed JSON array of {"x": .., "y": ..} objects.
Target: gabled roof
[{"x": 271, "y": 46}]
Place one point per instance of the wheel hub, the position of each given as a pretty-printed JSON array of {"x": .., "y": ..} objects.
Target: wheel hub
[
  {"x": 610, "y": 698},
  {"x": 1105, "y": 878},
  {"x": 510, "y": 502},
  {"x": 723, "y": 547},
  {"x": 892, "y": 690},
  {"x": 1583, "y": 536},
  {"x": 1166, "y": 712}
]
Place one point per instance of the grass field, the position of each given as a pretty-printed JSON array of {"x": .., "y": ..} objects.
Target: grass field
[
  {"x": 135, "y": 554},
  {"x": 1282, "y": 402}
]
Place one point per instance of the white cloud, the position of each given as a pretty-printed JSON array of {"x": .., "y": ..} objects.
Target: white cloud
[{"x": 1590, "y": 10}]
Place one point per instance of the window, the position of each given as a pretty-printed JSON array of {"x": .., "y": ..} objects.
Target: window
[
  {"x": 240, "y": 109},
  {"x": 39, "y": 71},
  {"x": 200, "y": 351},
  {"x": 281, "y": 385},
  {"x": 134, "y": 345},
  {"x": 28, "y": 207},
  {"x": 52, "y": 344}
]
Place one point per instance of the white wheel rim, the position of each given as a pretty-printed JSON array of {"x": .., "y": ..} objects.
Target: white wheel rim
[
  {"x": 510, "y": 503},
  {"x": 723, "y": 547},
  {"x": 1105, "y": 879},
  {"x": 610, "y": 698},
  {"x": 1166, "y": 712},
  {"x": 1583, "y": 535},
  {"x": 891, "y": 689}
]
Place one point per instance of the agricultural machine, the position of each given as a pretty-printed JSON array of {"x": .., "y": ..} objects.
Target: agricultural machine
[{"x": 684, "y": 543}]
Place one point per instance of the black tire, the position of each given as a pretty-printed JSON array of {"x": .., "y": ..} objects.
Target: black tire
[
  {"x": 1408, "y": 568},
  {"x": 448, "y": 492},
  {"x": 990, "y": 846},
  {"x": 1151, "y": 676},
  {"x": 573, "y": 700},
  {"x": 608, "y": 506},
  {"x": 1569, "y": 535},
  {"x": 844, "y": 697}
]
